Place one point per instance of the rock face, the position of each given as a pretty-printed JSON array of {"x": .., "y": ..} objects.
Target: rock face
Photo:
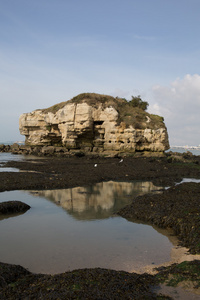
[{"x": 95, "y": 123}]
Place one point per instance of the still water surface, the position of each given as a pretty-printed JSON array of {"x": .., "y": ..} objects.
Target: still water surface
[
  {"x": 78, "y": 228},
  {"x": 5, "y": 157}
]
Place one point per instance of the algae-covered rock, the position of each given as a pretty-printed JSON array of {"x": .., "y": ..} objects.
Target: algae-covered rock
[{"x": 12, "y": 207}]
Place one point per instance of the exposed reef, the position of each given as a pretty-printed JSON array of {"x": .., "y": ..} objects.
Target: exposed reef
[{"x": 176, "y": 208}]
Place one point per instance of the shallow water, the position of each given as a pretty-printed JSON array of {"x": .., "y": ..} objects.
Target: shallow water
[
  {"x": 3, "y": 169},
  {"x": 5, "y": 157},
  {"x": 77, "y": 228}
]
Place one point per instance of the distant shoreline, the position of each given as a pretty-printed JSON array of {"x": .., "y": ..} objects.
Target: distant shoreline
[
  {"x": 195, "y": 150},
  {"x": 186, "y": 147}
]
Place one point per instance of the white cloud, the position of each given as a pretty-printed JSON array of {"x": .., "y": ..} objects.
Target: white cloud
[{"x": 179, "y": 104}]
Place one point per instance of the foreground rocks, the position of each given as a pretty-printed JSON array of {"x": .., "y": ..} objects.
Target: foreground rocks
[
  {"x": 17, "y": 283},
  {"x": 176, "y": 208}
]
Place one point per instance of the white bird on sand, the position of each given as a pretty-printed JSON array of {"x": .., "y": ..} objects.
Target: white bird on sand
[
  {"x": 121, "y": 160},
  {"x": 95, "y": 165}
]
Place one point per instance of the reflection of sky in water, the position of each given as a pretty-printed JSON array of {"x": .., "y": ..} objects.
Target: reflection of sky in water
[
  {"x": 190, "y": 180},
  {"x": 5, "y": 157},
  {"x": 48, "y": 239},
  {"x": 2, "y": 169}
]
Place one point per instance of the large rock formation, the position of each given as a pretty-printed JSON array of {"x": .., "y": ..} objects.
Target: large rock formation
[{"x": 95, "y": 123}]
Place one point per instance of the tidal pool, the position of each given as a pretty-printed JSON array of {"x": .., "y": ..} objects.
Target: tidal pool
[{"x": 78, "y": 228}]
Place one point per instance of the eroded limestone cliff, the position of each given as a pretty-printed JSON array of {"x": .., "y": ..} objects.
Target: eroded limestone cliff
[{"x": 95, "y": 123}]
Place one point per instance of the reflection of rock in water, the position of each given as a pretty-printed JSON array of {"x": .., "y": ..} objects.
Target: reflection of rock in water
[{"x": 98, "y": 201}]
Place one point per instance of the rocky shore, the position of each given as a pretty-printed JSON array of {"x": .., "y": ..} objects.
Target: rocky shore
[
  {"x": 61, "y": 151},
  {"x": 176, "y": 208}
]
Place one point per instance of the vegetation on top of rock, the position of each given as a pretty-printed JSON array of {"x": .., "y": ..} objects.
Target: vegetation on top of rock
[
  {"x": 53, "y": 109},
  {"x": 138, "y": 102},
  {"x": 91, "y": 99},
  {"x": 131, "y": 112},
  {"x": 94, "y": 100}
]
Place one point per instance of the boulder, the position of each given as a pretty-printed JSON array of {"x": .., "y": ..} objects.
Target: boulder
[{"x": 12, "y": 207}]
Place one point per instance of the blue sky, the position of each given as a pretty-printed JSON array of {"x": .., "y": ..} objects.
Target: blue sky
[{"x": 52, "y": 50}]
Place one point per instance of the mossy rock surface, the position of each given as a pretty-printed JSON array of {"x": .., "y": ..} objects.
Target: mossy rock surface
[
  {"x": 18, "y": 283},
  {"x": 180, "y": 274},
  {"x": 176, "y": 208}
]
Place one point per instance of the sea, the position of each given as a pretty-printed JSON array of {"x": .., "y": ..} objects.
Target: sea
[{"x": 194, "y": 150}]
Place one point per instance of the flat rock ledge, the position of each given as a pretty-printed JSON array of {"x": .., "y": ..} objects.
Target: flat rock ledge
[
  {"x": 53, "y": 151},
  {"x": 49, "y": 151},
  {"x": 12, "y": 207}
]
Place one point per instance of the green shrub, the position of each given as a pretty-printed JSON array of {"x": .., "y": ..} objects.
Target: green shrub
[{"x": 138, "y": 102}]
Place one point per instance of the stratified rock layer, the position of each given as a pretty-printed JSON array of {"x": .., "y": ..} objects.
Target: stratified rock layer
[{"x": 95, "y": 123}]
